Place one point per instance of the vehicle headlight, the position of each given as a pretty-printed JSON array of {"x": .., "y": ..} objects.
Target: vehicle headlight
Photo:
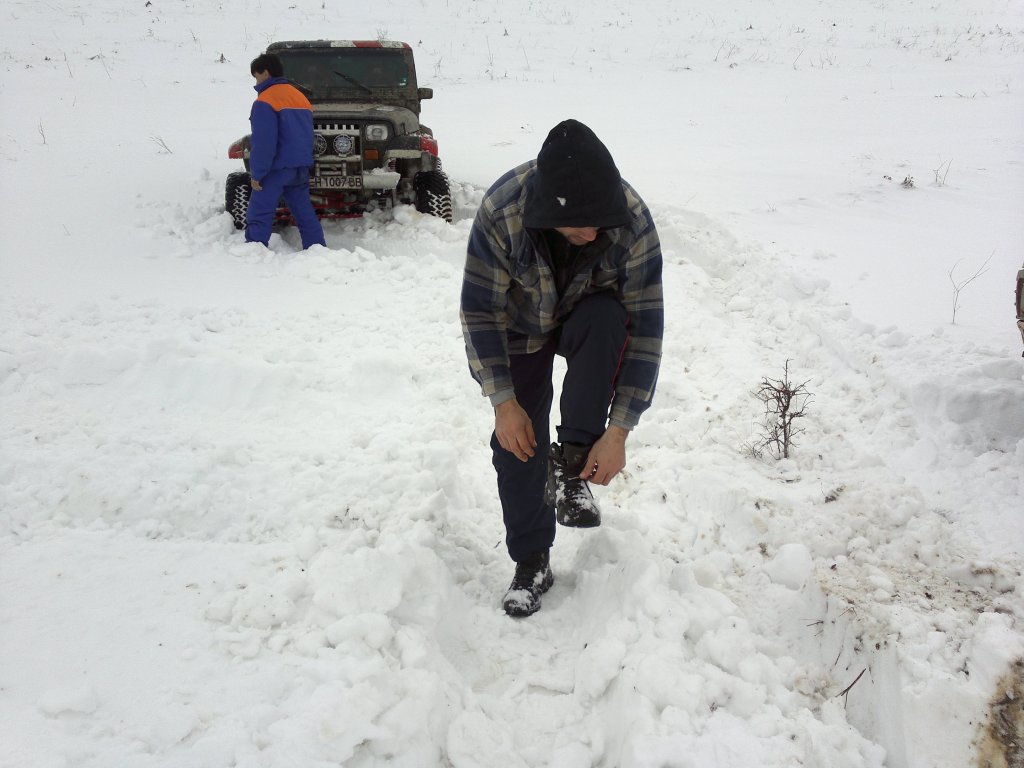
[
  {"x": 343, "y": 145},
  {"x": 376, "y": 132},
  {"x": 319, "y": 145}
]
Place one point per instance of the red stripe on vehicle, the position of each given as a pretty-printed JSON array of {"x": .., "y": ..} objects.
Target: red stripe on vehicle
[{"x": 376, "y": 44}]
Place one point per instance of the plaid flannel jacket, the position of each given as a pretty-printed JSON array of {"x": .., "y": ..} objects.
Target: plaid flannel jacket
[{"x": 510, "y": 303}]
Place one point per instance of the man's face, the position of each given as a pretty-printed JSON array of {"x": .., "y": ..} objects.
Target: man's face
[
  {"x": 578, "y": 235},
  {"x": 261, "y": 76}
]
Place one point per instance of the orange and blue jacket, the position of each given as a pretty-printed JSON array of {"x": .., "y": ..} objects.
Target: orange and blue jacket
[{"x": 282, "y": 128}]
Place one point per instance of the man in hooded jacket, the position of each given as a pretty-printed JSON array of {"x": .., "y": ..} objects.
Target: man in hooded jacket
[{"x": 563, "y": 258}]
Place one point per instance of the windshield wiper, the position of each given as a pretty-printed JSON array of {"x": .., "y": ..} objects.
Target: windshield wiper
[
  {"x": 306, "y": 91},
  {"x": 353, "y": 81}
]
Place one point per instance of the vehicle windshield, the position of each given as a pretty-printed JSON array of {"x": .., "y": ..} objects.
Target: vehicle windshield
[{"x": 363, "y": 70}]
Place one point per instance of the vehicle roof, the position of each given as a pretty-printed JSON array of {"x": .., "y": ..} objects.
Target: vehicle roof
[{"x": 286, "y": 44}]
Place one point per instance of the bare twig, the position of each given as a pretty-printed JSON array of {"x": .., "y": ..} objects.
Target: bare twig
[
  {"x": 957, "y": 287},
  {"x": 784, "y": 402},
  {"x": 162, "y": 144},
  {"x": 42, "y": 132},
  {"x": 846, "y": 690},
  {"x": 728, "y": 53},
  {"x": 102, "y": 60}
]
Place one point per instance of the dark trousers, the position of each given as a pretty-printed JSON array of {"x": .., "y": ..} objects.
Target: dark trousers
[
  {"x": 591, "y": 340},
  {"x": 293, "y": 185}
]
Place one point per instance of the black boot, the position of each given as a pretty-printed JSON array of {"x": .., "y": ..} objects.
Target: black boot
[
  {"x": 574, "y": 503},
  {"x": 533, "y": 578}
]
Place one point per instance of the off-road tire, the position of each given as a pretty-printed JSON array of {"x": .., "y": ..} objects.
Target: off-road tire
[
  {"x": 433, "y": 194},
  {"x": 237, "y": 191}
]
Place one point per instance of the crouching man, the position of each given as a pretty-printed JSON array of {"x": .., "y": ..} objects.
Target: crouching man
[{"x": 563, "y": 258}]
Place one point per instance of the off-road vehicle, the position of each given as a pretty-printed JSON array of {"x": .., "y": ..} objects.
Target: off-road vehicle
[{"x": 370, "y": 149}]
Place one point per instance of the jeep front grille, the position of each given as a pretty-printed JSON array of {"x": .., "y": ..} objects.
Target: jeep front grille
[
  {"x": 325, "y": 135},
  {"x": 322, "y": 125}
]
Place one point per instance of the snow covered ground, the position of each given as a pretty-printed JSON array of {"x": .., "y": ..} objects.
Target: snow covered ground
[{"x": 247, "y": 513}]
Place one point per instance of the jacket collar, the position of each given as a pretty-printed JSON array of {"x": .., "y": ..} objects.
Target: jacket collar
[{"x": 261, "y": 87}]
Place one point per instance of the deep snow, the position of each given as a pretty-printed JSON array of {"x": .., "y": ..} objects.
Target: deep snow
[{"x": 247, "y": 514}]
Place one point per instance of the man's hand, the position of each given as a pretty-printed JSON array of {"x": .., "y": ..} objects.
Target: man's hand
[
  {"x": 607, "y": 457},
  {"x": 257, "y": 186},
  {"x": 514, "y": 430}
]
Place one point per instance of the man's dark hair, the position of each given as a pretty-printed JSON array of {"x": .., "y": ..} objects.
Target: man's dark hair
[{"x": 267, "y": 62}]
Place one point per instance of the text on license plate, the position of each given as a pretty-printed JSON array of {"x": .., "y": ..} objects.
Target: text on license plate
[{"x": 337, "y": 182}]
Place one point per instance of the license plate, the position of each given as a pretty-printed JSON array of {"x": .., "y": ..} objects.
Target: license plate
[{"x": 337, "y": 182}]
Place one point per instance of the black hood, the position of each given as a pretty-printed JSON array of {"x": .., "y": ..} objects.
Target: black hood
[{"x": 576, "y": 183}]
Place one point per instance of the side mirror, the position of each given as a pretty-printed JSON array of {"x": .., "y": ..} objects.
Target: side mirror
[{"x": 425, "y": 93}]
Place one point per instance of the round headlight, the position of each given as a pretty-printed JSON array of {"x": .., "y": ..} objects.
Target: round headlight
[
  {"x": 343, "y": 145},
  {"x": 319, "y": 145},
  {"x": 376, "y": 132}
]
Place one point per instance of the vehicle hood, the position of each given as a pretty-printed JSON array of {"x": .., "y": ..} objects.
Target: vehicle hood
[{"x": 400, "y": 116}]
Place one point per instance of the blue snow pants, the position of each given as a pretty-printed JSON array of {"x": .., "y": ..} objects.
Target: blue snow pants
[
  {"x": 293, "y": 185},
  {"x": 592, "y": 341}
]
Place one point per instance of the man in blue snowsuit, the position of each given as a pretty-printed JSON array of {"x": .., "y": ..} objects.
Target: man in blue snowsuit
[{"x": 281, "y": 154}]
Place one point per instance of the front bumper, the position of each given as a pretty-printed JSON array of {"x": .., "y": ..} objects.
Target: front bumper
[{"x": 378, "y": 179}]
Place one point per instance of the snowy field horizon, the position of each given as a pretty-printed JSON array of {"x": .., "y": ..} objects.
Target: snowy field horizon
[{"x": 247, "y": 512}]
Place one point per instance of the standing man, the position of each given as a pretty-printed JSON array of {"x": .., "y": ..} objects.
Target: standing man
[
  {"x": 281, "y": 154},
  {"x": 563, "y": 258}
]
